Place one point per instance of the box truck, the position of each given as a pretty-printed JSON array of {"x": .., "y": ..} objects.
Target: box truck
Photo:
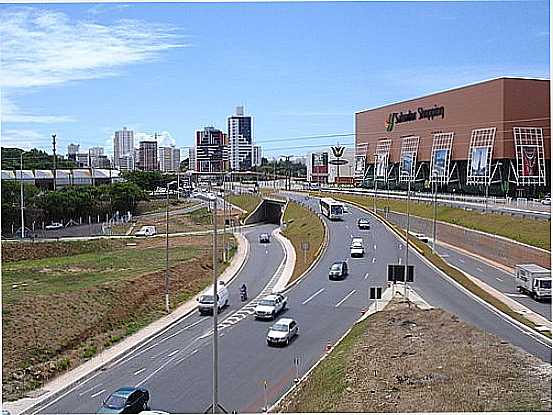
[{"x": 533, "y": 280}]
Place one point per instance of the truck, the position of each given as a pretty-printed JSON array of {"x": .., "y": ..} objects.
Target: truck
[
  {"x": 533, "y": 280},
  {"x": 270, "y": 306}
]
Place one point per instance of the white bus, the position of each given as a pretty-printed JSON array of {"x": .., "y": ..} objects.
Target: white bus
[{"x": 332, "y": 209}]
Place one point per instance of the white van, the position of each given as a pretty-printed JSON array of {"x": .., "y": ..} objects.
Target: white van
[
  {"x": 205, "y": 301},
  {"x": 146, "y": 231}
]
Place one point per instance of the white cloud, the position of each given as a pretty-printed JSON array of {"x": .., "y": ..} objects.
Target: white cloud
[
  {"x": 41, "y": 47},
  {"x": 25, "y": 139},
  {"x": 12, "y": 113}
]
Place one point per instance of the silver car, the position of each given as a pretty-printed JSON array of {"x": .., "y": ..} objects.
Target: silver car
[{"x": 282, "y": 332}]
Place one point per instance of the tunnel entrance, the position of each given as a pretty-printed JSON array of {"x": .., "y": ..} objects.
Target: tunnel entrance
[{"x": 268, "y": 211}]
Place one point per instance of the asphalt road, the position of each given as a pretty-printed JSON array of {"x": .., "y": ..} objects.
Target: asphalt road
[
  {"x": 497, "y": 278},
  {"x": 177, "y": 371}
]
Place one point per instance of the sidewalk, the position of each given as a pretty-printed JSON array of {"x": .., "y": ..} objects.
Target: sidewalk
[
  {"x": 290, "y": 254},
  {"x": 55, "y": 387}
]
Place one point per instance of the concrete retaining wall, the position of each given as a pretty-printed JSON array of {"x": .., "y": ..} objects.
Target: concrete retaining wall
[{"x": 495, "y": 248}]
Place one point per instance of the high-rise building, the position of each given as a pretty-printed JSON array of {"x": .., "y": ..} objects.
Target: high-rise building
[
  {"x": 126, "y": 162},
  {"x": 72, "y": 150},
  {"x": 96, "y": 151},
  {"x": 240, "y": 140},
  {"x": 256, "y": 156},
  {"x": 97, "y": 159},
  {"x": 147, "y": 156},
  {"x": 211, "y": 152},
  {"x": 83, "y": 159},
  {"x": 169, "y": 159},
  {"x": 123, "y": 144},
  {"x": 192, "y": 158}
]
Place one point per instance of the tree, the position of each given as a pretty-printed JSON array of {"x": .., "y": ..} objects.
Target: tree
[
  {"x": 146, "y": 180},
  {"x": 124, "y": 196},
  {"x": 32, "y": 160},
  {"x": 185, "y": 164}
]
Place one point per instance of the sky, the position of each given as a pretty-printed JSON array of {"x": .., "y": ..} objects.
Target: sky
[{"x": 83, "y": 71}]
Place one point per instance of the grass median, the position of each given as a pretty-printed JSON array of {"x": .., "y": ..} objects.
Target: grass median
[
  {"x": 404, "y": 359},
  {"x": 306, "y": 232},
  {"x": 58, "y": 311},
  {"x": 529, "y": 231},
  {"x": 247, "y": 202}
]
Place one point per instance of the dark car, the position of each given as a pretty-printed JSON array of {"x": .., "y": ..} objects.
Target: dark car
[
  {"x": 264, "y": 238},
  {"x": 338, "y": 271},
  {"x": 363, "y": 224},
  {"x": 127, "y": 400}
]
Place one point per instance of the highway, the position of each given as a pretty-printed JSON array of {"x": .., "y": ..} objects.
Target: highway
[
  {"x": 495, "y": 277},
  {"x": 177, "y": 370}
]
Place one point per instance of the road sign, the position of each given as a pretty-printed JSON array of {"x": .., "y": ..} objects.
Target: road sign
[
  {"x": 396, "y": 273},
  {"x": 375, "y": 293}
]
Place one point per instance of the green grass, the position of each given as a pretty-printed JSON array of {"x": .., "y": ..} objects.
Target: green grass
[
  {"x": 303, "y": 226},
  {"x": 529, "y": 231},
  {"x": 69, "y": 273},
  {"x": 246, "y": 202},
  {"x": 201, "y": 216}
]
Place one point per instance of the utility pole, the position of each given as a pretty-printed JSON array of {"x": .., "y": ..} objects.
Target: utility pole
[
  {"x": 167, "y": 247},
  {"x": 54, "y": 151},
  {"x": 21, "y": 196},
  {"x": 215, "y": 403},
  {"x": 224, "y": 222},
  {"x": 435, "y": 188},
  {"x": 407, "y": 234}
]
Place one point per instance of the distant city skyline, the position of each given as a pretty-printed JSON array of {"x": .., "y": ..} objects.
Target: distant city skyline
[{"x": 83, "y": 71}]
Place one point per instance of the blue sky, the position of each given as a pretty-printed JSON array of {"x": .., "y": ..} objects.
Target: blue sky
[{"x": 301, "y": 69}]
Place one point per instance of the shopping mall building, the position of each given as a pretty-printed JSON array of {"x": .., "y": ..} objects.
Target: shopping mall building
[{"x": 492, "y": 136}]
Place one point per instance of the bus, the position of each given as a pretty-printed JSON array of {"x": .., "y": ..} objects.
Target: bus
[{"x": 331, "y": 208}]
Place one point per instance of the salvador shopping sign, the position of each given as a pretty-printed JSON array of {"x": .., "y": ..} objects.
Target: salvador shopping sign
[{"x": 420, "y": 114}]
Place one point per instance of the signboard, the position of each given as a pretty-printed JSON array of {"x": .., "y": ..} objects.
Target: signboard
[
  {"x": 375, "y": 293},
  {"x": 479, "y": 162},
  {"x": 396, "y": 273},
  {"x": 439, "y": 162},
  {"x": 529, "y": 161},
  {"x": 421, "y": 113},
  {"x": 359, "y": 165},
  {"x": 338, "y": 162},
  {"x": 480, "y": 155}
]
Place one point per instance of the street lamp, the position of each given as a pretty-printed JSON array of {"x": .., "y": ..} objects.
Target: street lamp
[{"x": 167, "y": 246}]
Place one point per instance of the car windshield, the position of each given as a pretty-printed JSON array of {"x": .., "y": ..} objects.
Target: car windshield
[
  {"x": 267, "y": 302},
  {"x": 115, "y": 402},
  {"x": 208, "y": 299},
  {"x": 545, "y": 284},
  {"x": 336, "y": 267},
  {"x": 280, "y": 327}
]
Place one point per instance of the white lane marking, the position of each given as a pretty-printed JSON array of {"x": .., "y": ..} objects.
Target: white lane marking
[
  {"x": 139, "y": 371},
  {"x": 98, "y": 393},
  {"x": 345, "y": 298},
  {"x": 159, "y": 354},
  {"x": 461, "y": 260},
  {"x": 498, "y": 279},
  {"x": 375, "y": 247},
  {"x": 154, "y": 372},
  {"x": 374, "y": 260},
  {"x": 186, "y": 357},
  {"x": 174, "y": 352},
  {"x": 366, "y": 276},
  {"x": 479, "y": 269},
  {"x": 313, "y": 296},
  {"x": 515, "y": 295},
  {"x": 90, "y": 389}
]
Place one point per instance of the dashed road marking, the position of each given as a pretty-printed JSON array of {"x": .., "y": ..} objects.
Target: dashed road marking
[
  {"x": 174, "y": 352},
  {"x": 479, "y": 269},
  {"x": 90, "y": 389},
  {"x": 461, "y": 260},
  {"x": 498, "y": 279},
  {"x": 139, "y": 371},
  {"x": 313, "y": 296},
  {"x": 345, "y": 298},
  {"x": 515, "y": 295},
  {"x": 366, "y": 276},
  {"x": 97, "y": 393},
  {"x": 374, "y": 260},
  {"x": 375, "y": 247}
]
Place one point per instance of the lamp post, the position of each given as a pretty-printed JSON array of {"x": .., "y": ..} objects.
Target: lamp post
[
  {"x": 407, "y": 233},
  {"x": 215, "y": 402},
  {"x": 435, "y": 188},
  {"x": 167, "y": 246}
]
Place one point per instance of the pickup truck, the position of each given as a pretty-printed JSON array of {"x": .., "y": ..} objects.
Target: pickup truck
[{"x": 270, "y": 306}]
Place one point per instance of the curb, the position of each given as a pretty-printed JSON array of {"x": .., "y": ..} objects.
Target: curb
[
  {"x": 290, "y": 255},
  {"x": 318, "y": 256},
  {"x": 103, "y": 362}
]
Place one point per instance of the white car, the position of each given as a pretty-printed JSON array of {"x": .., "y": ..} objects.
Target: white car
[
  {"x": 356, "y": 248},
  {"x": 146, "y": 231},
  {"x": 421, "y": 237},
  {"x": 270, "y": 306},
  {"x": 54, "y": 225},
  {"x": 282, "y": 332},
  {"x": 546, "y": 201}
]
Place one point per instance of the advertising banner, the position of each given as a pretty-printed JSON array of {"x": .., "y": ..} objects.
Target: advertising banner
[
  {"x": 479, "y": 163},
  {"x": 439, "y": 162},
  {"x": 381, "y": 165},
  {"x": 407, "y": 165},
  {"x": 359, "y": 165},
  {"x": 529, "y": 161}
]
